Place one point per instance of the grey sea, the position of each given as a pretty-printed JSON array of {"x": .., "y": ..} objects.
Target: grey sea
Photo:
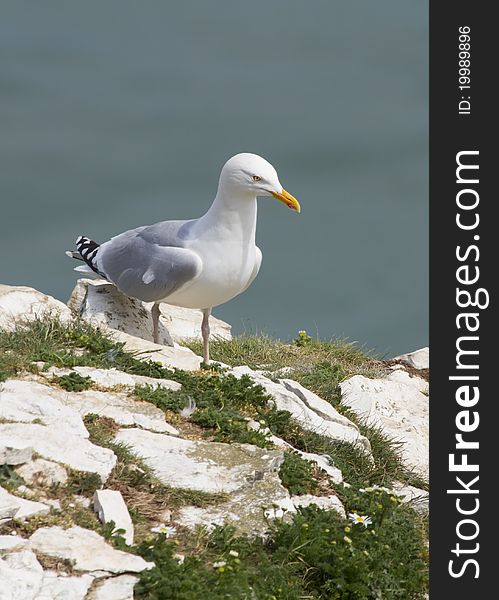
[{"x": 119, "y": 114}]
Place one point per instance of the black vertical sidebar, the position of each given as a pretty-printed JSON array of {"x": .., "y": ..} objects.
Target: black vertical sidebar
[{"x": 463, "y": 127}]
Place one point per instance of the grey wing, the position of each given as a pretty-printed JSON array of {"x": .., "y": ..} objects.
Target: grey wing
[{"x": 149, "y": 263}]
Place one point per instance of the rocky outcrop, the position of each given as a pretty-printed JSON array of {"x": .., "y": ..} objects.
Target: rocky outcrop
[
  {"x": 418, "y": 498},
  {"x": 53, "y": 443},
  {"x": 23, "y": 578},
  {"x": 197, "y": 465},
  {"x": 21, "y": 303},
  {"x": 419, "y": 359},
  {"x": 114, "y": 588},
  {"x": 87, "y": 551},
  {"x": 311, "y": 412},
  {"x": 399, "y": 405},
  {"x": 15, "y": 454},
  {"x": 176, "y": 357},
  {"x": 99, "y": 302},
  {"x": 110, "y": 507},
  {"x": 42, "y": 473},
  {"x": 114, "y": 405},
  {"x": 14, "y": 507},
  {"x": 43, "y": 439}
]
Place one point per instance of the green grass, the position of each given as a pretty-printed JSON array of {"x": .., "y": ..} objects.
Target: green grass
[
  {"x": 297, "y": 475},
  {"x": 269, "y": 354},
  {"x": 317, "y": 555},
  {"x": 223, "y": 404},
  {"x": 307, "y": 556},
  {"x": 68, "y": 345}
]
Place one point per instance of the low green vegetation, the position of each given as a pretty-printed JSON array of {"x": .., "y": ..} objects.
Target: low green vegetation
[
  {"x": 223, "y": 404},
  {"x": 297, "y": 475},
  {"x": 67, "y": 345},
  {"x": 82, "y": 483},
  {"x": 321, "y": 366},
  {"x": 219, "y": 403},
  {"x": 9, "y": 479},
  {"x": 315, "y": 554},
  {"x": 74, "y": 382},
  {"x": 324, "y": 364}
]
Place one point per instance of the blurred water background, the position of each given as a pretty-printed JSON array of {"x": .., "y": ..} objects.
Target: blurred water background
[{"x": 117, "y": 114}]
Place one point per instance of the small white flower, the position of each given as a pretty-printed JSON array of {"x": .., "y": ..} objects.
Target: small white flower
[
  {"x": 274, "y": 513},
  {"x": 168, "y": 531},
  {"x": 233, "y": 553},
  {"x": 375, "y": 488},
  {"x": 360, "y": 519},
  {"x": 219, "y": 564}
]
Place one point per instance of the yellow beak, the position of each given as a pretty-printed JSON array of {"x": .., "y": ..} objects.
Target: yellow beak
[{"x": 289, "y": 200}]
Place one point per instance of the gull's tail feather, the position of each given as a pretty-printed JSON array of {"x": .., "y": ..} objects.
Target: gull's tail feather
[
  {"x": 73, "y": 254},
  {"x": 86, "y": 251}
]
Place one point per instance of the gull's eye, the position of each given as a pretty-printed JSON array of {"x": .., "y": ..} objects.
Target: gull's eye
[{"x": 256, "y": 178}]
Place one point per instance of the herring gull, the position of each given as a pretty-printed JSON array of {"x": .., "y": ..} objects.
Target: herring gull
[{"x": 199, "y": 263}]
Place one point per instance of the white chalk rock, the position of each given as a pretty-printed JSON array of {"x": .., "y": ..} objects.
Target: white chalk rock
[
  {"x": 417, "y": 497},
  {"x": 110, "y": 506},
  {"x": 15, "y": 454},
  {"x": 243, "y": 510},
  {"x": 18, "y": 508},
  {"x": 185, "y": 323},
  {"x": 100, "y": 302},
  {"x": 248, "y": 474},
  {"x": 53, "y": 503},
  {"x": 402, "y": 376},
  {"x": 317, "y": 404},
  {"x": 11, "y": 542},
  {"x": 400, "y": 409},
  {"x": 54, "y": 443},
  {"x": 176, "y": 357},
  {"x": 114, "y": 588},
  {"x": 27, "y": 401},
  {"x": 21, "y": 575},
  {"x": 23, "y": 578},
  {"x": 87, "y": 549},
  {"x": 324, "y": 502},
  {"x": 110, "y": 378},
  {"x": 103, "y": 305},
  {"x": 199, "y": 465},
  {"x": 8, "y": 506},
  {"x": 121, "y": 408},
  {"x": 43, "y": 473},
  {"x": 419, "y": 359},
  {"x": 312, "y": 413},
  {"x": 59, "y": 587},
  {"x": 20, "y": 304}
]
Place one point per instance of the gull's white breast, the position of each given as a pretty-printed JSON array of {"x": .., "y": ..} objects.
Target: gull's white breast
[{"x": 228, "y": 269}]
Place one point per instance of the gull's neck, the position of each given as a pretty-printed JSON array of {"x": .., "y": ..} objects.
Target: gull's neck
[{"x": 233, "y": 214}]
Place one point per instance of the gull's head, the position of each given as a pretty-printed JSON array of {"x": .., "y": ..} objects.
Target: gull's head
[{"x": 251, "y": 175}]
